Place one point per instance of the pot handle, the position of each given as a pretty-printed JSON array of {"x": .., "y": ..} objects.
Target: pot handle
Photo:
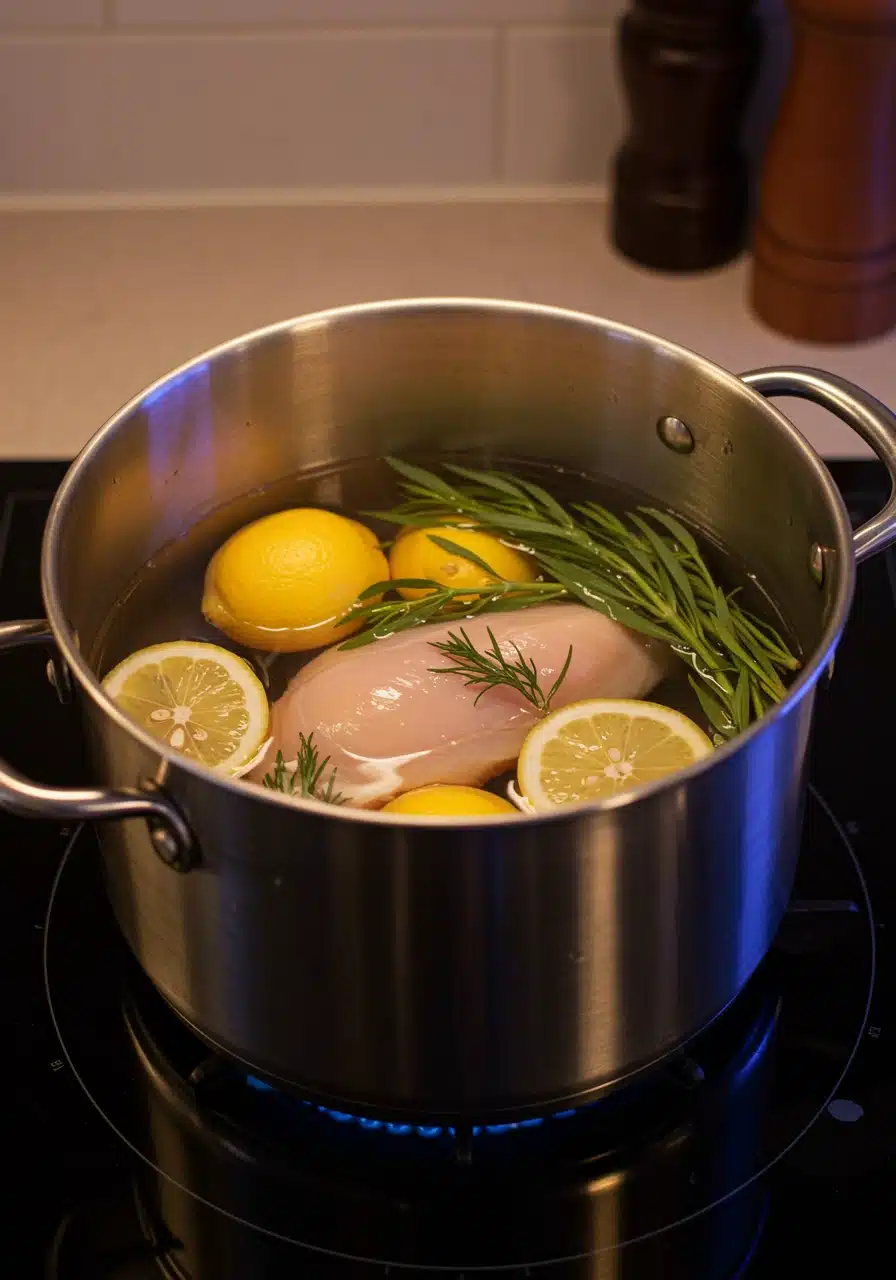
[
  {"x": 872, "y": 420},
  {"x": 169, "y": 832}
]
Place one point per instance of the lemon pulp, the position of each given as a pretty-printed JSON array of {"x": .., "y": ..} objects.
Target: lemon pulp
[
  {"x": 198, "y": 699},
  {"x": 449, "y": 801},
  {"x": 593, "y": 750}
]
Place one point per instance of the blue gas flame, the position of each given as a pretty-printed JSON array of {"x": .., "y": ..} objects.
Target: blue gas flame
[{"x": 403, "y": 1129}]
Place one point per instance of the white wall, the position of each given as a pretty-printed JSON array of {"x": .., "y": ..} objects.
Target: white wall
[{"x": 196, "y": 95}]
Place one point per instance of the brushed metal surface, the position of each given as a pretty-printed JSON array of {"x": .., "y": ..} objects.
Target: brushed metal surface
[
  {"x": 27, "y": 799},
  {"x": 463, "y": 969},
  {"x": 859, "y": 410}
]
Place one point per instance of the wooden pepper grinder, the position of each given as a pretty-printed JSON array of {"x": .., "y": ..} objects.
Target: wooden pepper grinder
[
  {"x": 825, "y": 251},
  {"x": 681, "y": 180}
]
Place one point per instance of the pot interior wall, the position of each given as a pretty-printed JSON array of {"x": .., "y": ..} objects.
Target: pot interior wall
[{"x": 413, "y": 378}]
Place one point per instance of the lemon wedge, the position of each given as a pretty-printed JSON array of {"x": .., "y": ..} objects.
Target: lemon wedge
[
  {"x": 198, "y": 699},
  {"x": 593, "y": 750}
]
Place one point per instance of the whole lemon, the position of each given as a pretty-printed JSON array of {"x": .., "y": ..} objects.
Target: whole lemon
[
  {"x": 415, "y": 555},
  {"x": 284, "y": 582},
  {"x": 444, "y": 801}
]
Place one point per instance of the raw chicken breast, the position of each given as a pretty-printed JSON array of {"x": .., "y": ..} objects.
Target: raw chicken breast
[{"x": 388, "y": 723}]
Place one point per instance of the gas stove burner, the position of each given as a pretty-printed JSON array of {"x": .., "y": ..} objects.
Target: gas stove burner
[
  {"x": 429, "y": 1131},
  {"x": 396, "y": 1129},
  {"x": 655, "y": 1100},
  {"x": 137, "y": 1159},
  {"x": 656, "y": 1093},
  {"x": 671, "y": 1166}
]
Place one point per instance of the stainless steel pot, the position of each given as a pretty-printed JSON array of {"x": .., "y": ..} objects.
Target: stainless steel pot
[{"x": 461, "y": 969}]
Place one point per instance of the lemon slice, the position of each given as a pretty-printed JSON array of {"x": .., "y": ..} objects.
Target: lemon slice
[
  {"x": 198, "y": 699},
  {"x": 593, "y": 750}
]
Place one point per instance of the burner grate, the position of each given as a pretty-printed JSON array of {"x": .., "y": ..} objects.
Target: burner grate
[
  {"x": 657, "y": 1099},
  {"x": 654, "y": 1097}
]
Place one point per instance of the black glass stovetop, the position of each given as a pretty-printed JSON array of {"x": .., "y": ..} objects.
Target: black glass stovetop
[{"x": 767, "y": 1145}]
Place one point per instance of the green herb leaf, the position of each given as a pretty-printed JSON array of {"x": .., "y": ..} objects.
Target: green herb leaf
[
  {"x": 564, "y": 671},
  {"x": 549, "y": 504},
  {"x": 393, "y": 584},
  {"x": 673, "y": 568},
  {"x": 383, "y": 618},
  {"x": 410, "y": 519},
  {"x": 455, "y": 549},
  {"x": 375, "y": 589},
  {"x": 491, "y": 669},
  {"x": 677, "y": 529},
  {"x": 307, "y": 779},
  {"x": 486, "y": 479},
  {"x": 625, "y": 568},
  {"x": 600, "y": 595},
  {"x": 715, "y": 713},
  {"x": 426, "y": 481},
  {"x": 741, "y": 704}
]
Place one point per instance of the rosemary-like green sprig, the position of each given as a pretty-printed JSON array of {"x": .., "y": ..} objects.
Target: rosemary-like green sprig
[
  {"x": 643, "y": 570},
  {"x": 384, "y": 617},
  {"x": 490, "y": 668},
  {"x": 305, "y": 779}
]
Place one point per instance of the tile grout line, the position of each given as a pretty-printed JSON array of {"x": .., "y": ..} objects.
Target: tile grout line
[
  {"x": 572, "y": 27},
  {"x": 111, "y": 32},
  {"x": 223, "y": 198},
  {"x": 236, "y": 33}
]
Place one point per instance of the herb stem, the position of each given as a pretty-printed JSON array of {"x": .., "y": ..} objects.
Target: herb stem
[
  {"x": 491, "y": 668},
  {"x": 643, "y": 570},
  {"x": 306, "y": 780},
  {"x": 382, "y": 618}
]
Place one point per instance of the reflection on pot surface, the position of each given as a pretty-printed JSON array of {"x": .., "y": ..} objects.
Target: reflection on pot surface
[
  {"x": 665, "y": 1177},
  {"x": 485, "y": 967},
  {"x": 574, "y": 1185}
]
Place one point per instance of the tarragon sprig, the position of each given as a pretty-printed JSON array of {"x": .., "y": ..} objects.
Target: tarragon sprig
[
  {"x": 384, "y": 617},
  {"x": 643, "y": 570},
  {"x": 306, "y": 779},
  {"x": 490, "y": 668}
]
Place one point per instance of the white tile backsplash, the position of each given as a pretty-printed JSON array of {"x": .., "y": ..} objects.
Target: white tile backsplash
[
  {"x": 120, "y": 95},
  {"x": 350, "y": 108},
  {"x": 562, "y": 113},
  {"x": 50, "y": 13},
  {"x": 366, "y": 12}
]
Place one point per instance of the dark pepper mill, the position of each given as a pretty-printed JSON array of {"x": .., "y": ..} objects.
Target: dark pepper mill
[
  {"x": 825, "y": 252},
  {"x": 681, "y": 194}
]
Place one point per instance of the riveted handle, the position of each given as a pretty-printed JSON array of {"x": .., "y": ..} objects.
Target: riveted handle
[
  {"x": 871, "y": 420},
  {"x": 168, "y": 829}
]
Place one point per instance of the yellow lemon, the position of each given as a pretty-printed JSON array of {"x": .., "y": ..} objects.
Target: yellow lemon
[
  {"x": 415, "y": 555},
  {"x": 593, "y": 750},
  {"x": 196, "y": 698},
  {"x": 284, "y": 582},
  {"x": 439, "y": 801}
]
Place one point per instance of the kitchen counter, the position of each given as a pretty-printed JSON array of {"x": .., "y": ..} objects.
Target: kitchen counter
[{"x": 95, "y": 305}]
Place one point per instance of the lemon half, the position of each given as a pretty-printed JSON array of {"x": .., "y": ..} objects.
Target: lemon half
[
  {"x": 198, "y": 699},
  {"x": 593, "y": 750}
]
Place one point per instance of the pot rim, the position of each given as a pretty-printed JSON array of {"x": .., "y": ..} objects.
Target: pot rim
[{"x": 822, "y": 655}]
